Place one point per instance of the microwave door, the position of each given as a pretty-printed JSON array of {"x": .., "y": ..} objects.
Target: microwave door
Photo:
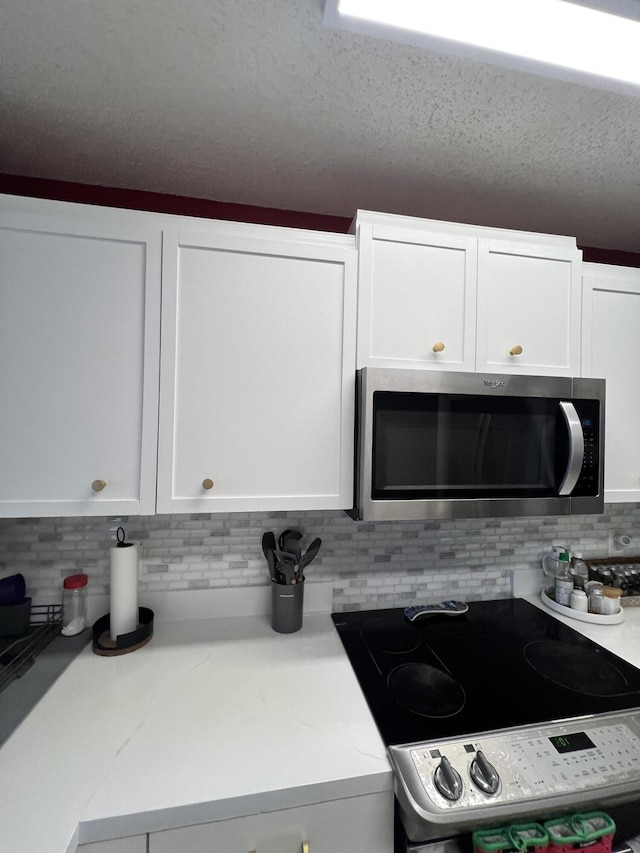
[
  {"x": 454, "y": 469},
  {"x": 444, "y": 450},
  {"x": 576, "y": 448},
  {"x": 480, "y": 448}
]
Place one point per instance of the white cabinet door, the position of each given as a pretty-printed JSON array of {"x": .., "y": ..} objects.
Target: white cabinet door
[
  {"x": 357, "y": 825},
  {"x": 611, "y": 350},
  {"x": 416, "y": 299},
  {"x": 257, "y": 372},
  {"x": 462, "y": 301},
  {"x": 529, "y": 309},
  {"x": 79, "y": 348}
]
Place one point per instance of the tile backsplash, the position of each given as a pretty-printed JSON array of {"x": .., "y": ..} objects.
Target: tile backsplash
[{"x": 369, "y": 564}]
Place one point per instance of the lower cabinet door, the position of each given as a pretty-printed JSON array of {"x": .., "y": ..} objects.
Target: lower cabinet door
[{"x": 355, "y": 825}]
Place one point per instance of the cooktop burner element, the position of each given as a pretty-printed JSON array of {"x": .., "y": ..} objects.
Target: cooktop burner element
[
  {"x": 425, "y": 690},
  {"x": 577, "y": 669},
  {"x": 502, "y": 664}
]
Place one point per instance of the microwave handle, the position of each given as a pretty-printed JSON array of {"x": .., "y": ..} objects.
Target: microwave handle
[{"x": 576, "y": 448}]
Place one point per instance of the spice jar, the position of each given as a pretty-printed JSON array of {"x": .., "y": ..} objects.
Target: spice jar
[
  {"x": 596, "y": 600},
  {"x": 605, "y": 574},
  {"x": 74, "y": 604},
  {"x": 579, "y": 600},
  {"x": 611, "y": 602}
]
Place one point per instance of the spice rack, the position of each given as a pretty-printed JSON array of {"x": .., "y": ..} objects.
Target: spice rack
[
  {"x": 18, "y": 653},
  {"x": 595, "y": 563}
]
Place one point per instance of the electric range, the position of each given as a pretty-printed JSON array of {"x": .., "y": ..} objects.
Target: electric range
[{"x": 500, "y": 714}]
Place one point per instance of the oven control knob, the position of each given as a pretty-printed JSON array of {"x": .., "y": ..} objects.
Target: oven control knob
[
  {"x": 447, "y": 780},
  {"x": 483, "y": 774}
]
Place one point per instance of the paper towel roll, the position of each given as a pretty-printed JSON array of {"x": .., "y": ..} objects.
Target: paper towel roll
[{"x": 124, "y": 590}]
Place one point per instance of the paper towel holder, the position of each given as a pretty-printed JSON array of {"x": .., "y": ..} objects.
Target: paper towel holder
[{"x": 124, "y": 643}]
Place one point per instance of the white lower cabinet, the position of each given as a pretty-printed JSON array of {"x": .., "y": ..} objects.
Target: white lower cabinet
[
  {"x": 257, "y": 371},
  {"x": 611, "y": 351},
  {"x": 134, "y": 844},
  {"x": 355, "y": 825}
]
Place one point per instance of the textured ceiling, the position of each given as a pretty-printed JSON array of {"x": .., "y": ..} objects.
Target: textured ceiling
[{"x": 256, "y": 102}]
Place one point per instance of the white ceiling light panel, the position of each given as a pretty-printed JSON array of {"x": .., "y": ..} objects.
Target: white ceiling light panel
[{"x": 551, "y": 37}]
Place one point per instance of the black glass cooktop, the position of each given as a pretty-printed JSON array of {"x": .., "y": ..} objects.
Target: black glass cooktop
[{"x": 502, "y": 664}]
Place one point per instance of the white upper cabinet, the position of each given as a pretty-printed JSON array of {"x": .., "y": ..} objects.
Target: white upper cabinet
[
  {"x": 79, "y": 347},
  {"x": 416, "y": 299},
  {"x": 611, "y": 350},
  {"x": 529, "y": 307},
  {"x": 258, "y": 370},
  {"x": 446, "y": 296},
  {"x": 250, "y": 404}
]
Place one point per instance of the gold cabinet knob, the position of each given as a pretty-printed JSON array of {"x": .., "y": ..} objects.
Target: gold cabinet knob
[
  {"x": 515, "y": 350},
  {"x": 438, "y": 347},
  {"x": 305, "y": 847},
  {"x": 98, "y": 485},
  {"x": 207, "y": 484}
]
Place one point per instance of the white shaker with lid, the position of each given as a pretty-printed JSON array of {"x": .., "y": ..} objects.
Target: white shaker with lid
[
  {"x": 74, "y": 604},
  {"x": 578, "y": 600}
]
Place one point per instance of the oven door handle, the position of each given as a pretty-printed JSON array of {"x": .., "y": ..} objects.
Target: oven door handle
[{"x": 576, "y": 448}]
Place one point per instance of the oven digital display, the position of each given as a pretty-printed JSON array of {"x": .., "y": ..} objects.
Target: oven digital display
[{"x": 572, "y": 742}]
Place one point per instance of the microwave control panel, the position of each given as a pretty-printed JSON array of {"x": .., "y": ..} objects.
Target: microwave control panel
[{"x": 588, "y": 481}]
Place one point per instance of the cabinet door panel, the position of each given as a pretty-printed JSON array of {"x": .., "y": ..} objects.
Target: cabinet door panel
[
  {"x": 358, "y": 825},
  {"x": 258, "y": 373},
  {"x": 75, "y": 303},
  {"x": 611, "y": 350},
  {"x": 416, "y": 291},
  {"x": 528, "y": 298}
]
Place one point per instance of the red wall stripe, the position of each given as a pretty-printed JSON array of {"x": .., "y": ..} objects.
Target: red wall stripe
[
  {"x": 177, "y": 205},
  {"x": 184, "y": 206}
]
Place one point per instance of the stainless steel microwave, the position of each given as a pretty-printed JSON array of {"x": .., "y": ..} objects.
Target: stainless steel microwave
[{"x": 435, "y": 444}]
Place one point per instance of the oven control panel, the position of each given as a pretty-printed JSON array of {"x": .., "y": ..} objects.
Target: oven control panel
[{"x": 504, "y": 770}]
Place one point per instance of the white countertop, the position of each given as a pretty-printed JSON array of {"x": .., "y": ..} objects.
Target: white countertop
[
  {"x": 622, "y": 639},
  {"x": 214, "y": 718}
]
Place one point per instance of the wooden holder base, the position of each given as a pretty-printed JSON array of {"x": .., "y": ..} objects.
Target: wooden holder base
[{"x": 125, "y": 643}]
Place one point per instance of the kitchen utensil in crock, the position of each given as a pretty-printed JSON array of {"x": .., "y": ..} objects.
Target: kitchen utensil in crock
[
  {"x": 310, "y": 553},
  {"x": 271, "y": 563},
  {"x": 268, "y": 542},
  {"x": 286, "y": 565},
  {"x": 286, "y": 536}
]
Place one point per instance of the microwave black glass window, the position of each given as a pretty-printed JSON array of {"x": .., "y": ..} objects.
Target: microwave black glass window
[{"x": 456, "y": 446}]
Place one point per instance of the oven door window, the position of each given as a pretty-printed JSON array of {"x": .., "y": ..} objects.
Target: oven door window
[{"x": 454, "y": 446}]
